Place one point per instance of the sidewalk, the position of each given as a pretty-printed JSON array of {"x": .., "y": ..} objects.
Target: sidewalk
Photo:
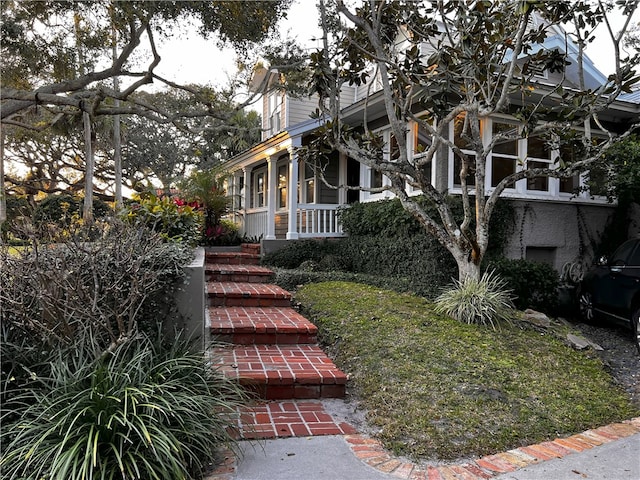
[{"x": 611, "y": 452}]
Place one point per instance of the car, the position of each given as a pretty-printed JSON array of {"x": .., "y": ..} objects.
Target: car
[{"x": 611, "y": 289}]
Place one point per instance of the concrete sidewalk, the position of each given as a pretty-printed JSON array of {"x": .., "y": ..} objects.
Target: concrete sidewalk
[{"x": 334, "y": 458}]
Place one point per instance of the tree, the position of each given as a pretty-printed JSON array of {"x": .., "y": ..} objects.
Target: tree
[
  {"x": 58, "y": 57},
  {"x": 460, "y": 62}
]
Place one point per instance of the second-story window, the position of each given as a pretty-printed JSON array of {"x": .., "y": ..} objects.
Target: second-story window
[{"x": 275, "y": 107}]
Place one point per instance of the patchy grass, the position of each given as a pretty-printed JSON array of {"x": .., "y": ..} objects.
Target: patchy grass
[{"x": 436, "y": 388}]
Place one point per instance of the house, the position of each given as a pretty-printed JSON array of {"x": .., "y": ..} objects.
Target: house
[{"x": 278, "y": 198}]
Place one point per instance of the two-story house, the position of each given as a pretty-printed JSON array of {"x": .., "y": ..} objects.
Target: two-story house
[{"x": 276, "y": 197}]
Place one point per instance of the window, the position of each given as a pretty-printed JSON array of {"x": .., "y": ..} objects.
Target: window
[
  {"x": 240, "y": 193},
  {"x": 275, "y": 103},
  {"x": 504, "y": 155},
  {"x": 260, "y": 189},
  {"x": 463, "y": 144},
  {"x": 283, "y": 176},
  {"x": 309, "y": 184},
  {"x": 570, "y": 152},
  {"x": 538, "y": 156},
  {"x": 421, "y": 143}
]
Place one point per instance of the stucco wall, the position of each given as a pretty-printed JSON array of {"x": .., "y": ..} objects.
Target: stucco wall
[{"x": 556, "y": 232}]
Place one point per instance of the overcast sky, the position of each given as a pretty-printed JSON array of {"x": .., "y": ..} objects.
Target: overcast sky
[{"x": 195, "y": 60}]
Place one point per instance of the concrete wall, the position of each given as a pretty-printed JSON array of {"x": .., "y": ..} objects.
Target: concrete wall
[
  {"x": 191, "y": 303},
  {"x": 557, "y": 232}
]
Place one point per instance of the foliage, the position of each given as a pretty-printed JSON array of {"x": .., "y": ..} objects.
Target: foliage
[
  {"x": 294, "y": 253},
  {"x": 112, "y": 286},
  {"x": 63, "y": 49},
  {"x": 460, "y": 64},
  {"x": 173, "y": 220},
  {"x": 61, "y": 209},
  {"x": 438, "y": 389},
  {"x": 623, "y": 167},
  {"x": 18, "y": 209},
  {"x": 532, "y": 284},
  {"x": 143, "y": 410},
  {"x": 225, "y": 233},
  {"x": 206, "y": 187},
  {"x": 482, "y": 302}
]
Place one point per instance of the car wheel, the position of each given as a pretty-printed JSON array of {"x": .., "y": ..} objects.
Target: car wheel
[
  {"x": 635, "y": 327},
  {"x": 585, "y": 303}
]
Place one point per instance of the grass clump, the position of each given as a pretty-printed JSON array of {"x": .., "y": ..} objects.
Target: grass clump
[
  {"x": 486, "y": 301},
  {"x": 436, "y": 388},
  {"x": 145, "y": 410}
]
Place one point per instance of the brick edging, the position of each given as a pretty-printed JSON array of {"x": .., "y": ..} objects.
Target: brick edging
[{"x": 371, "y": 452}]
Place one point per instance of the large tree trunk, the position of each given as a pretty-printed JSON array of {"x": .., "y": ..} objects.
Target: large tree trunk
[
  {"x": 3, "y": 198},
  {"x": 87, "y": 210},
  {"x": 467, "y": 267}
]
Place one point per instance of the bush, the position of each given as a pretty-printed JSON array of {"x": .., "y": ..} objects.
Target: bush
[
  {"x": 482, "y": 302},
  {"x": 62, "y": 208},
  {"x": 162, "y": 215},
  {"x": 534, "y": 285},
  {"x": 293, "y": 254},
  {"x": 144, "y": 410},
  {"x": 226, "y": 232},
  {"x": 111, "y": 286}
]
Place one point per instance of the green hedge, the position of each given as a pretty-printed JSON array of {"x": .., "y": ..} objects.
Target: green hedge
[{"x": 535, "y": 285}]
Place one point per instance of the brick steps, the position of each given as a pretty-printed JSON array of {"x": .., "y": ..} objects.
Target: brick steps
[
  {"x": 279, "y": 372},
  {"x": 245, "y": 294},
  {"x": 273, "y": 350},
  {"x": 217, "y": 272},
  {"x": 262, "y": 325},
  {"x": 233, "y": 258}
]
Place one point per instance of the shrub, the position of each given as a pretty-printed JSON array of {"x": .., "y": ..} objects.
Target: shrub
[
  {"x": 226, "y": 232},
  {"x": 162, "y": 215},
  {"x": 483, "y": 302},
  {"x": 111, "y": 286},
  {"x": 293, "y": 254},
  {"x": 144, "y": 410},
  {"x": 534, "y": 285},
  {"x": 61, "y": 208}
]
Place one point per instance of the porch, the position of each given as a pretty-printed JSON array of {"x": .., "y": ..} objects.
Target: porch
[{"x": 311, "y": 221}]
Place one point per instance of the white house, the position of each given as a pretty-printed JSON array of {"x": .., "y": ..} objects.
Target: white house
[{"x": 279, "y": 198}]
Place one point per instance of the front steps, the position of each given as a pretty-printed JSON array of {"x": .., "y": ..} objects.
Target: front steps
[{"x": 274, "y": 352}]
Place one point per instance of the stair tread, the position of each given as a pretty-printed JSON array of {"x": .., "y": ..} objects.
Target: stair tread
[
  {"x": 258, "y": 320},
  {"x": 246, "y": 290},
  {"x": 278, "y": 364},
  {"x": 230, "y": 268}
]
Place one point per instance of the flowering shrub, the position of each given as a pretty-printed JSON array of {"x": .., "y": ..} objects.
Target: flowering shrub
[{"x": 175, "y": 220}]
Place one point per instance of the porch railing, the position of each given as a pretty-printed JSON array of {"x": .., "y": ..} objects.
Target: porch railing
[
  {"x": 255, "y": 222},
  {"x": 318, "y": 220},
  {"x": 312, "y": 221}
]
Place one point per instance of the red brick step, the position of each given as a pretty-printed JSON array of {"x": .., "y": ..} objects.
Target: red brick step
[
  {"x": 233, "y": 258},
  {"x": 232, "y": 294},
  {"x": 282, "y": 371},
  {"x": 263, "y": 325},
  {"x": 217, "y": 272}
]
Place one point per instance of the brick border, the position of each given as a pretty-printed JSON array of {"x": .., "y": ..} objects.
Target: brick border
[{"x": 372, "y": 453}]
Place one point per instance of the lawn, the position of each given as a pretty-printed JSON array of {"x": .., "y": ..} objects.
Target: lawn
[{"x": 435, "y": 388}]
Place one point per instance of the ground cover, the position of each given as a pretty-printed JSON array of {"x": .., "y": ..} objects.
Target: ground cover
[{"x": 435, "y": 388}]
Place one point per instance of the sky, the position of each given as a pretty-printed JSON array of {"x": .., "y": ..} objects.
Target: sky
[{"x": 195, "y": 60}]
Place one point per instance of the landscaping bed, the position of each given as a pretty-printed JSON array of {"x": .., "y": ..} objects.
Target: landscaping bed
[{"x": 437, "y": 389}]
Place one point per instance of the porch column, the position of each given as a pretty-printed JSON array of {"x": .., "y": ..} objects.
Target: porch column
[
  {"x": 271, "y": 197},
  {"x": 292, "y": 194},
  {"x": 246, "y": 201},
  {"x": 342, "y": 179}
]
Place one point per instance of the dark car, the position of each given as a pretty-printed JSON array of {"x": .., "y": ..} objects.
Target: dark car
[{"x": 611, "y": 290}]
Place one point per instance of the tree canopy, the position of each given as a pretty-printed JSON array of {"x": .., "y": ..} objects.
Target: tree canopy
[{"x": 433, "y": 64}]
